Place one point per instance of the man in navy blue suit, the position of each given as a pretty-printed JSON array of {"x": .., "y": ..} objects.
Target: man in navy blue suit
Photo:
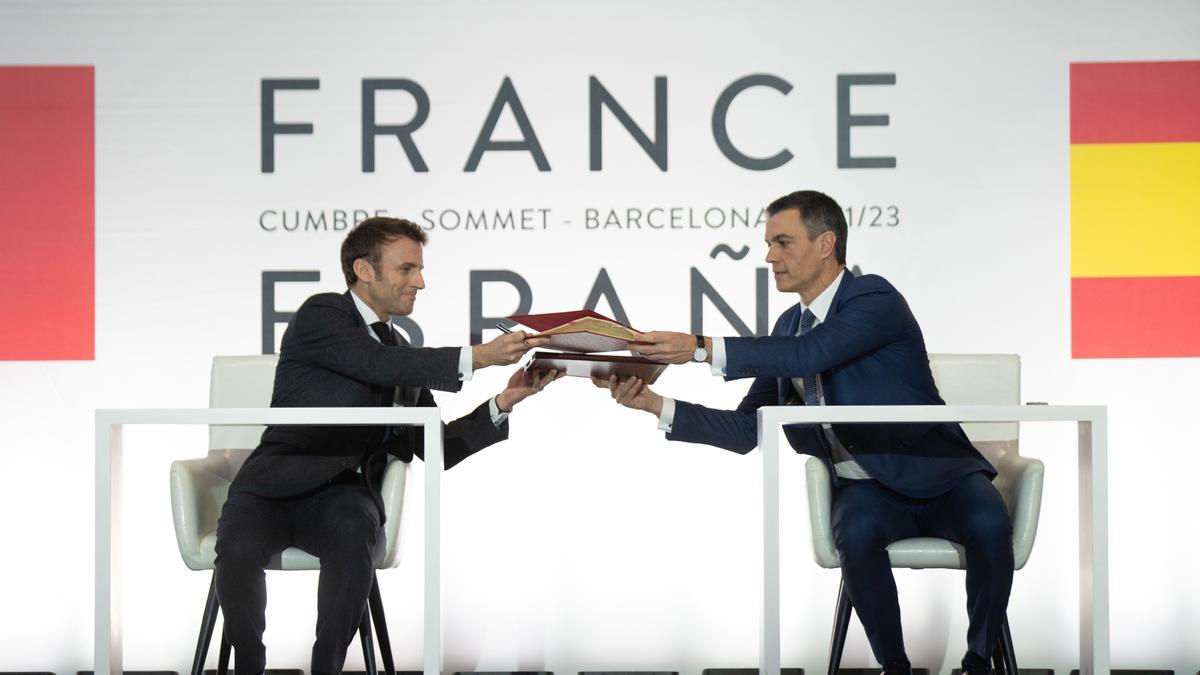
[{"x": 852, "y": 340}]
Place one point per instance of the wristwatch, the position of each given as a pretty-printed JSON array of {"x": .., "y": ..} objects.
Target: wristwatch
[{"x": 701, "y": 354}]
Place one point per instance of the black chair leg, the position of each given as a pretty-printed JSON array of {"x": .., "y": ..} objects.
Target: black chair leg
[
  {"x": 1010, "y": 655},
  {"x": 375, "y": 602},
  {"x": 998, "y": 666},
  {"x": 207, "y": 622},
  {"x": 368, "y": 645},
  {"x": 841, "y": 624},
  {"x": 223, "y": 655}
]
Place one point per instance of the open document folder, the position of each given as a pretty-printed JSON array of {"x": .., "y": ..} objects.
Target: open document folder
[{"x": 583, "y": 331}]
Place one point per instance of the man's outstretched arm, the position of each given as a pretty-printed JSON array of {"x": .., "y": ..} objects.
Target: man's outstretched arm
[{"x": 735, "y": 430}]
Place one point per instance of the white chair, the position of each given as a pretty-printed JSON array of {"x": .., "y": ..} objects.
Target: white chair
[
  {"x": 962, "y": 379},
  {"x": 199, "y": 488}
]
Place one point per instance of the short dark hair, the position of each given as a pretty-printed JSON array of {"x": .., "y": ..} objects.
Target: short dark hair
[
  {"x": 819, "y": 213},
  {"x": 368, "y": 237}
]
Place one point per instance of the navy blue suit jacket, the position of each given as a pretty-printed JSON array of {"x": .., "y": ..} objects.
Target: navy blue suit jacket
[{"x": 869, "y": 351}]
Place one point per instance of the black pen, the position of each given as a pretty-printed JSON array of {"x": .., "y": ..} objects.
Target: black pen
[{"x": 505, "y": 329}]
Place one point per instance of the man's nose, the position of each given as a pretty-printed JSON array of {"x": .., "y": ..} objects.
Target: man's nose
[{"x": 420, "y": 281}]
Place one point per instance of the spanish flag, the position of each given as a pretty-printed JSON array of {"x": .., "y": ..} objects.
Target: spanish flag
[{"x": 1135, "y": 209}]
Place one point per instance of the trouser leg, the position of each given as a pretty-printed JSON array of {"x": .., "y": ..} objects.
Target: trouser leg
[
  {"x": 251, "y": 530},
  {"x": 973, "y": 513},
  {"x": 341, "y": 526},
  {"x": 866, "y": 518}
]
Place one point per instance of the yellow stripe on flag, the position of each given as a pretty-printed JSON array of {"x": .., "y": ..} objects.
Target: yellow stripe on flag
[{"x": 1135, "y": 209}]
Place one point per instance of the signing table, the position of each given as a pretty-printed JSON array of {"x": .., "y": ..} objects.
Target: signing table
[
  {"x": 1093, "y": 515},
  {"x": 1093, "y": 509},
  {"x": 109, "y": 455}
]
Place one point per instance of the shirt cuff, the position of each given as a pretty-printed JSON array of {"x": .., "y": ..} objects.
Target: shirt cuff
[
  {"x": 718, "y": 356},
  {"x": 667, "y": 418},
  {"x": 465, "y": 367},
  {"x": 498, "y": 416}
]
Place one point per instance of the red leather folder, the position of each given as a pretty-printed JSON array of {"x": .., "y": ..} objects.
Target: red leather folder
[
  {"x": 544, "y": 322},
  {"x": 581, "y": 331}
]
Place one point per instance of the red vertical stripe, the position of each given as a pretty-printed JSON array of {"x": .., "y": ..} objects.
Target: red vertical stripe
[
  {"x": 47, "y": 213},
  {"x": 1135, "y": 317},
  {"x": 1149, "y": 102}
]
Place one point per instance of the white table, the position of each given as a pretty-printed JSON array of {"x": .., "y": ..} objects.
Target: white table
[
  {"x": 109, "y": 456},
  {"x": 1093, "y": 507}
]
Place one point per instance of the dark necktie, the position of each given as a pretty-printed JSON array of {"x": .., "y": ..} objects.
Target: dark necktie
[
  {"x": 384, "y": 332},
  {"x": 387, "y": 397},
  {"x": 387, "y": 336}
]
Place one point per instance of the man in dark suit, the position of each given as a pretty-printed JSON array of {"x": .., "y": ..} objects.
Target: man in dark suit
[
  {"x": 852, "y": 340},
  {"x": 318, "y": 488}
]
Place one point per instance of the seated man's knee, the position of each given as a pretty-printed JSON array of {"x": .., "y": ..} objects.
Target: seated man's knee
[
  {"x": 989, "y": 528},
  {"x": 352, "y": 528},
  {"x": 993, "y": 519},
  {"x": 241, "y": 551},
  {"x": 858, "y": 534}
]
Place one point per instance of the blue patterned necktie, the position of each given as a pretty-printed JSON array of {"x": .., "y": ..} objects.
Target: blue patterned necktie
[
  {"x": 811, "y": 395},
  {"x": 807, "y": 319}
]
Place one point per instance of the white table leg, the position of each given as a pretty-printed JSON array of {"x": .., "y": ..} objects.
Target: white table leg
[
  {"x": 768, "y": 442},
  {"x": 1093, "y": 547},
  {"x": 433, "y": 543},
  {"x": 108, "y": 548}
]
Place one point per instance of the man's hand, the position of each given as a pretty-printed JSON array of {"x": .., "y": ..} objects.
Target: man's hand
[
  {"x": 668, "y": 347},
  {"x": 524, "y": 384},
  {"x": 632, "y": 393},
  {"x": 505, "y": 349}
]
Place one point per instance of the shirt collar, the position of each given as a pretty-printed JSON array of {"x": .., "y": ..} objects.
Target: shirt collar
[
  {"x": 821, "y": 304},
  {"x": 368, "y": 315}
]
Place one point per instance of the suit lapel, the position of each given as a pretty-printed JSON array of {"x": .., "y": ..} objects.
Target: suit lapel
[
  {"x": 784, "y": 388},
  {"x": 354, "y": 310},
  {"x": 405, "y": 396},
  {"x": 847, "y": 279},
  {"x": 793, "y": 322}
]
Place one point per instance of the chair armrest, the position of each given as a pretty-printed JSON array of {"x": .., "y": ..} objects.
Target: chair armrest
[
  {"x": 1027, "y": 474},
  {"x": 820, "y": 500},
  {"x": 393, "y": 504},
  {"x": 198, "y": 491}
]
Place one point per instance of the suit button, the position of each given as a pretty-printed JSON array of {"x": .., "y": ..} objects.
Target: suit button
[{"x": 342, "y": 463}]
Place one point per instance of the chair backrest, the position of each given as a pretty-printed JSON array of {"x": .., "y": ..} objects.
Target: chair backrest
[
  {"x": 982, "y": 379},
  {"x": 239, "y": 382}
]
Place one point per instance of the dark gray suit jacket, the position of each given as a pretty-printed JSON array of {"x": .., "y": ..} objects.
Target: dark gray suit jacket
[{"x": 327, "y": 358}]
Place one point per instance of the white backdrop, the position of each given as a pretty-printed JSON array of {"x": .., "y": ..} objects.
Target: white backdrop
[{"x": 586, "y": 541}]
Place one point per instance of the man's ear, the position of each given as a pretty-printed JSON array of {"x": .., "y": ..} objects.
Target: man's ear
[
  {"x": 363, "y": 270},
  {"x": 828, "y": 243}
]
